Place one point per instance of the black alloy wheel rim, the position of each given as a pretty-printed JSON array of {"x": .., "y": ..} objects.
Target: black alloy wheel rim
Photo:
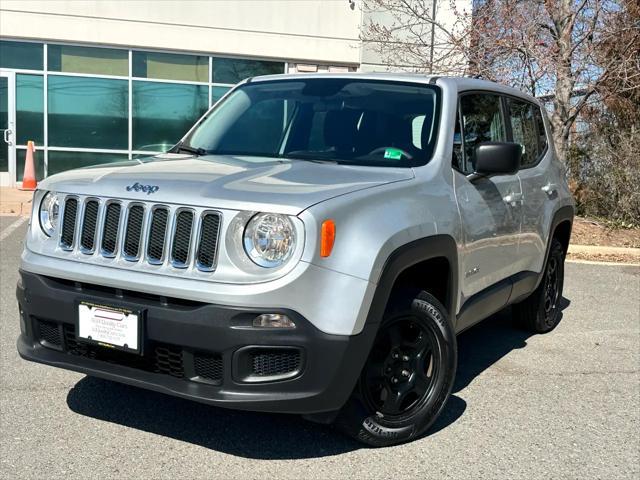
[
  {"x": 402, "y": 369},
  {"x": 551, "y": 291}
]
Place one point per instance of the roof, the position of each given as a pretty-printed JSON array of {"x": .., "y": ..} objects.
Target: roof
[{"x": 459, "y": 83}]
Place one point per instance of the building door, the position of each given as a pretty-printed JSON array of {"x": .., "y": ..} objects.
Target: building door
[{"x": 8, "y": 128}]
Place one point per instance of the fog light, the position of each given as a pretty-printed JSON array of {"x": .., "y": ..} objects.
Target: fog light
[{"x": 273, "y": 320}]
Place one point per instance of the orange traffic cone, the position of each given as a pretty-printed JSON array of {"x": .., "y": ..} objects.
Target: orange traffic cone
[{"x": 29, "y": 178}]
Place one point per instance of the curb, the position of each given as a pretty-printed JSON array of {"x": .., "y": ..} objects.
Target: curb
[
  {"x": 599, "y": 255},
  {"x": 599, "y": 250},
  {"x": 597, "y": 262}
]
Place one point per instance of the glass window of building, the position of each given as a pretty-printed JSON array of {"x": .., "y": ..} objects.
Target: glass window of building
[
  {"x": 30, "y": 120},
  {"x": 233, "y": 70},
  {"x": 97, "y": 61},
  {"x": 38, "y": 162},
  {"x": 60, "y": 161},
  {"x": 170, "y": 66},
  {"x": 164, "y": 112},
  {"x": 96, "y": 102},
  {"x": 88, "y": 112},
  {"x": 21, "y": 55},
  {"x": 29, "y": 109},
  {"x": 217, "y": 92}
]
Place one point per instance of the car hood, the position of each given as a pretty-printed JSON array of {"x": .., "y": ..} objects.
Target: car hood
[{"x": 221, "y": 181}]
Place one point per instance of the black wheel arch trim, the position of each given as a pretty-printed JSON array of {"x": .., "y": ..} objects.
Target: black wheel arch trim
[
  {"x": 563, "y": 214},
  {"x": 408, "y": 255}
]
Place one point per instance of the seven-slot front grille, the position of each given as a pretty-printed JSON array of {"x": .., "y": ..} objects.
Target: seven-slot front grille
[
  {"x": 68, "y": 230},
  {"x": 110, "y": 231},
  {"x": 158, "y": 234},
  {"x": 133, "y": 232},
  {"x": 208, "y": 242},
  {"x": 88, "y": 236},
  {"x": 182, "y": 238}
]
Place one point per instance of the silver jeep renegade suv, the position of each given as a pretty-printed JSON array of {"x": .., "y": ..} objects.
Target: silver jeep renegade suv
[{"x": 312, "y": 245}]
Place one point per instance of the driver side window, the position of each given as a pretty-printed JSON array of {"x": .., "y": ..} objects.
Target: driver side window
[{"x": 480, "y": 116}]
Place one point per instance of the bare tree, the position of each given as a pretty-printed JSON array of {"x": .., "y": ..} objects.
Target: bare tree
[
  {"x": 415, "y": 35},
  {"x": 547, "y": 47},
  {"x": 620, "y": 89},
  {"x": 604, "y": 156}
]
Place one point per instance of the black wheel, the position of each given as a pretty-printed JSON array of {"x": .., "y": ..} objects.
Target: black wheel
[
  {"x": 541, "y": 312},
  {"x": 408, "y": 376}
]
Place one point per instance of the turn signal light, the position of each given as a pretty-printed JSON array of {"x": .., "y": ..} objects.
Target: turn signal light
[{"x": 327, "y": 237}]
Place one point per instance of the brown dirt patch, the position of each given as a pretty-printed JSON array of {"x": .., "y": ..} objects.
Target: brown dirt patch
[{"x": 591, "y": 232}]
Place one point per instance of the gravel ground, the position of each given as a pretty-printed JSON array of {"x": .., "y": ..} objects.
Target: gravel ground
[{"x": 562, "y": 405}]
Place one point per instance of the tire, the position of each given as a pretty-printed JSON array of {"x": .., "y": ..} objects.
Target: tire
[
  {"x": 408, "y": 376},
  {"x": 541, "y": 312}
]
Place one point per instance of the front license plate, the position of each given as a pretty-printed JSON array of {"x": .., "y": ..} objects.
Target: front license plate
[{"x": 109, "y": 326}]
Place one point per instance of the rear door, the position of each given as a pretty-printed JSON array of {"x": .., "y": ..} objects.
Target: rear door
[
  {"x": 490, "y": 207},
  {"x": 537, "y": 177}
]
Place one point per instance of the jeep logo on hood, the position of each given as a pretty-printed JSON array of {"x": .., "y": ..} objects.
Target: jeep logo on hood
[{"x": 148, "y": 189}]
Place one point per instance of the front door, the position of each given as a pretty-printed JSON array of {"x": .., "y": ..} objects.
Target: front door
[
  {"x": 490, "y": 207},
  {"x": 7, "y": 128}
]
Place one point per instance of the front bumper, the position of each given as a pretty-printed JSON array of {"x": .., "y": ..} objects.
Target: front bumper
[
  {"x": 195, "y": 350},
  {"x": 333, "y": 302}
]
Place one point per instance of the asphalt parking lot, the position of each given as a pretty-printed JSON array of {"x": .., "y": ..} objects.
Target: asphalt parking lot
[{"x": 562, "y": 405}]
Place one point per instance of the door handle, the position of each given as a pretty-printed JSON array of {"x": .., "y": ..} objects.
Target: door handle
[
  {"x": 7, "y": 132},
  {"x": 550, "y": 189},
  {"x": 512, "y": 199}
]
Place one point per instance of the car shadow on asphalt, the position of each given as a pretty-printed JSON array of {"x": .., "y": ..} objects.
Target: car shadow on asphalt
[
  {"x": 487, "y": 342},
  {"x": 274, "y": 436}
]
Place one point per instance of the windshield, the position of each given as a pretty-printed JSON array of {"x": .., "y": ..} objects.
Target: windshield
[{"x": 352, "y": 121}]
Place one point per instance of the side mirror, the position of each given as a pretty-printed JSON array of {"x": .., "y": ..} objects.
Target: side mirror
[{"x": 497, "y": 157}]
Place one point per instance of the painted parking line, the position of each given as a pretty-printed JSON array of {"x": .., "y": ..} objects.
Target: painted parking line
[{"x": 11, "y": 228}]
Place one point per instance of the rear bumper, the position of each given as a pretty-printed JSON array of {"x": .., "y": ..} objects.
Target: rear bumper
[{"x": 195, "y": 350}]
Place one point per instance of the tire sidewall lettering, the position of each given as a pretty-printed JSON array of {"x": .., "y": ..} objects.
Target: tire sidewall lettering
[
  {"x": 430, "y": 311},
  {"x": 380, "y": 431}
]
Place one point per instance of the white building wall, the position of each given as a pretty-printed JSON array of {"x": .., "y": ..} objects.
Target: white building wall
[
  {"x": 309, "y": 31},
  {"x": 449, "y": 15}
]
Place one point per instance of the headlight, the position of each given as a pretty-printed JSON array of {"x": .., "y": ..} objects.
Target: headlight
[
  {"x": 49, "y": 213},
  {"x": 269, "y": 239}
]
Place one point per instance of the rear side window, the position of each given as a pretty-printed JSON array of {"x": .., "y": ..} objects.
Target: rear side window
[
  {"x": 542, "y": 134},
  {"x": 527, "y": 129},
  {"x": 481, "y": 119},
  {"x": 523, "y": 128}
]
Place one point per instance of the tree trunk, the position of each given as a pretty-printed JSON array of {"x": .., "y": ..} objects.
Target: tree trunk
[{"x": 563, "y": 20}]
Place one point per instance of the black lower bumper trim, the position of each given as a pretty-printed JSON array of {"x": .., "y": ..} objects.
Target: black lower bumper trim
[{"x": 192, "y": 350}]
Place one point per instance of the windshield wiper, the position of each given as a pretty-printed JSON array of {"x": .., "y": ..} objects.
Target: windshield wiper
[{"x": 199, "y": 151}]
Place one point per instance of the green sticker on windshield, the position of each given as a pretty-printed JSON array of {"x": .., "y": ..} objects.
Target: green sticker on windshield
[{"x": 393, "y": 154}]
